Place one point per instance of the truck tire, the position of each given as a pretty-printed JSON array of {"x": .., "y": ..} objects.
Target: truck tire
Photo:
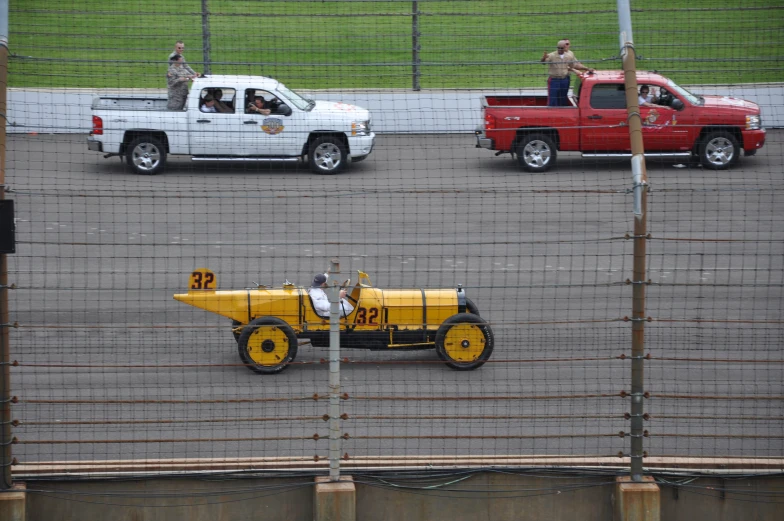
[
  {"x": 327, "y": 155},
  {"x": 267, "y": 345},
  {"x": 146, "y": 155},
  {"x": 536, "y": 153},
  {"x": 464, "y": 341},
  {"x": 719, "y": 150}
]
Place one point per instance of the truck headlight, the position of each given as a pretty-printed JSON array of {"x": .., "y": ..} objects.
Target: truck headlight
[
  {"x": 360, "y": 128},
  {"x": 753, "y": 122}
]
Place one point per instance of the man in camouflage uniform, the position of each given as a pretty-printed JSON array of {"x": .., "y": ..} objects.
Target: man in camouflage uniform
[
  {"x": 177, "y": 81},
  {"x": 179, "y": 48}
]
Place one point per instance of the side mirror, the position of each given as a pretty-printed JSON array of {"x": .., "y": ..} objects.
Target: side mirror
[
  {"x": 677, "y": 104},
  {"x": 284, "y": 110}
]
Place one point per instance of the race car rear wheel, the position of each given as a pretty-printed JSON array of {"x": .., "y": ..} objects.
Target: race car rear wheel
[
  {"x": 267, "y": 345},
  {"x": 464, "y": 341},
  {"x": 536, "y": 153}
]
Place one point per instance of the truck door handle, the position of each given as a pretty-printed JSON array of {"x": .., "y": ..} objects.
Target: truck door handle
[
  {"x": 202, "y": 121},
  {"x": 595, "y": 116},
  {"x": 252, "y": 122}
]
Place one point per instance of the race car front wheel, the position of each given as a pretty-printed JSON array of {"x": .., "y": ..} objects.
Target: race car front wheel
[
  {"x": 267, "y": 345},
  {"x": 464, "y": 341}
]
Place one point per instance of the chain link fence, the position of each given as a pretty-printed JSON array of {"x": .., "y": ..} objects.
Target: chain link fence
[{"x": 109, "y": 372}]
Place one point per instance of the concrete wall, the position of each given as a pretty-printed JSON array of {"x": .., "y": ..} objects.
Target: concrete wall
[
  {"x": 429, "y": 111},
  {"x": 555, "y": 497}
]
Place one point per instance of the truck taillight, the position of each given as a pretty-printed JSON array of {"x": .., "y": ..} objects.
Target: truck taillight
[
  {"x": 489, "y": 122},
  {"x": 97, "y": 126}
]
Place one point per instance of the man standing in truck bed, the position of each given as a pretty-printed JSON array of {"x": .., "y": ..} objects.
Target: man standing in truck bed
[{"x": 561, "y": 63}]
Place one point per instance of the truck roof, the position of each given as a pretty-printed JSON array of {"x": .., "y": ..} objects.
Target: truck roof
[
  {"x": 236, "y": 81},
  {"x": 642, "y": 76}
]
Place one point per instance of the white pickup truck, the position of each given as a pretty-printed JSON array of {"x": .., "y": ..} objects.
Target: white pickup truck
[{"x": 140, "y": 128}]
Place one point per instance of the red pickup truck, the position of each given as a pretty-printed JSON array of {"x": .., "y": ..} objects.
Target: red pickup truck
[{"x": 677, "y": 123}]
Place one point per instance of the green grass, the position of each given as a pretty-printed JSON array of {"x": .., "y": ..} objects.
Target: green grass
[{"x": 350, "y": 44}]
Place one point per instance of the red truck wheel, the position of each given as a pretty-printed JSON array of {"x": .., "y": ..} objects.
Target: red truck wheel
[
  {"x": 536, "y": 153},
  {"x": 719, "y": 150}
]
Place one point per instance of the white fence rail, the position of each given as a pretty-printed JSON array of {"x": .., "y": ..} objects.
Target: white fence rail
[{"x": 67, "y": 111}]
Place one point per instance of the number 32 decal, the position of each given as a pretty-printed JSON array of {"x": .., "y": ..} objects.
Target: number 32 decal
[
  {"x": 202, "y": 278},
  {"x": 367, "y": 316}
]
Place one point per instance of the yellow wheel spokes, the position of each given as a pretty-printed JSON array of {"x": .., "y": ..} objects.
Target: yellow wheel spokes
[
  {"x": 464, "y": 342},
  {"x": 268, "y": 345}
]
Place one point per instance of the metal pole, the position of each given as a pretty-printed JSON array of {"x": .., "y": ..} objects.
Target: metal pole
[
  {"x": 415, "y": 61},
  {"x": 5, "y": 349},
  {"x": 333, "y": 292},
  {"x": 640, "y": 184},
  {"x": 205, "y": 36}
]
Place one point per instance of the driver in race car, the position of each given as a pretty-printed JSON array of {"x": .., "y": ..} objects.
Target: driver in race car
[{"x": 321, "y": 300}]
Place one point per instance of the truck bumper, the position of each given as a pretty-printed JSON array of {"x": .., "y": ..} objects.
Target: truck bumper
[
  {"x": 754, "y": 139},
  {"x": 482, "y": 141},
  {"x": 361, "y": 146},
  {"x": 94, "y": 144}
]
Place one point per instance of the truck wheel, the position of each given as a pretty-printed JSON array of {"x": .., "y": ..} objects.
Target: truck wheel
[
  {"x": 267, "y": 345},
  {"x": 719, "y": 150},
  {"x": 146, "y": 155},
  {"x": 464, "y": 341},
  {"x": 536, "y": 153},
  {"x": 327, "y": 155}
]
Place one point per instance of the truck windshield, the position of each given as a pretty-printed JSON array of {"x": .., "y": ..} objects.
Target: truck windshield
[
  {"x": 693, "y": 99},
  {"x": 297, "y": 100}
]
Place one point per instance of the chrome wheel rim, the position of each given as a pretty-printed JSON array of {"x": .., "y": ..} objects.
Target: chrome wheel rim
[
  {"x": 146, "y": 156},
  {"x": 536, "y": 154},
  {"x": 327, "y": 156},
  {"x": 719, "y": 151}
]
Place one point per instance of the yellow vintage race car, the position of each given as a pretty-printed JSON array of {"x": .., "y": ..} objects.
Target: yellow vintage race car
[{"x": 270, "y": 323}]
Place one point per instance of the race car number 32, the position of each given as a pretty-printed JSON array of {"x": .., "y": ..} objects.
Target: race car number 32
[
  {"x": 202, "y": 278},
  {"x": 367, "y": 316}
]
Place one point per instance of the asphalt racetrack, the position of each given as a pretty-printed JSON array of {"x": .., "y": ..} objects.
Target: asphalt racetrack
[{"x": 111, "y": 367}]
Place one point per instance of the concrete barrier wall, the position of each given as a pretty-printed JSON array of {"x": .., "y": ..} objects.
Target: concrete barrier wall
[
  {"x": 486, "y": 495},
  {"x": 425, "y": 112}
]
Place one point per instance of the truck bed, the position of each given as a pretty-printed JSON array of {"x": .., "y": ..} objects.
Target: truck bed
[
  {"x": 515, "y": 101},
  {"x": 130, "y": 102}
]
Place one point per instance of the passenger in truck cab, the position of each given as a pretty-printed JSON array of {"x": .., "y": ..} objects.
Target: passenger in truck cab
[
  {"x": 259, "y": 106},
  {"x": 209, "y": 104},
  {"x": 220, "y": 107},
  {"x": 646, "y": 99}
]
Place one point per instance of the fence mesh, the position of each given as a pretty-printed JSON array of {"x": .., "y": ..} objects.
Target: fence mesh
[{"x": 109, "y": 367}]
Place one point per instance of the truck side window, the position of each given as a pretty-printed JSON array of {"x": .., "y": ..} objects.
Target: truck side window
[{"x": 608, "y": 96}]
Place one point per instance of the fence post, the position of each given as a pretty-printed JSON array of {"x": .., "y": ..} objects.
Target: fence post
[
  {"x": 415, "y": 61},
  {"x": 333, "y": 292},
  {"x": 205, "y": 35},
  {"x": 640, "y": 185},
  {"x": 5, "y": 347}
]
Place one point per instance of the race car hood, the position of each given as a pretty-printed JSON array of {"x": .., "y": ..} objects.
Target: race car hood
[
  {"x": 730, "y": 102},
  {"x": 332, "y": 108}
]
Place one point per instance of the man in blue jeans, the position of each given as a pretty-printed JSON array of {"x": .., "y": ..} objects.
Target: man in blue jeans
[{"x": 561, "y": 62}]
